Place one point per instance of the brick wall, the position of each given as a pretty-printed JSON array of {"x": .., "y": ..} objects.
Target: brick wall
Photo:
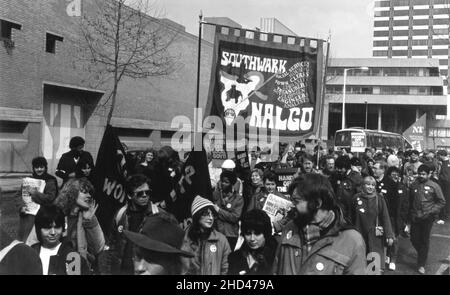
[{"x": 23, "y": 73}]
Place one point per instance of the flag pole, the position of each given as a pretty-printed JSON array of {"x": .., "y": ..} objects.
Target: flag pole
[
  {"x": 323, "y": 100},
  {"x": 200, "y": 22},
  {"x": 196, "y": 112}
]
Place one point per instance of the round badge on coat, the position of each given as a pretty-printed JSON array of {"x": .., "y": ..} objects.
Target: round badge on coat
[
  {"x": 289, "y": 235},
  {"x": 228, "y": 205},
  {"x": 213, "y": 248},
  {"x": 320, "y": 266},
  {"x": 359, "y": 202}
]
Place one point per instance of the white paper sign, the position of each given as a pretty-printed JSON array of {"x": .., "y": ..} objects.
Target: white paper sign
[
  {"x": 27, "y": 184},
  {"x": 276, "y": 207}
]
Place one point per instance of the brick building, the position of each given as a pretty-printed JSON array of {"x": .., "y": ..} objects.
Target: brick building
[{"x": 45, "y": 99}]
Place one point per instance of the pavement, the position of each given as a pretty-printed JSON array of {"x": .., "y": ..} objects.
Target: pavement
[
  {"x": 439, "y": 251},
  {"x": 11, "y": 181}
]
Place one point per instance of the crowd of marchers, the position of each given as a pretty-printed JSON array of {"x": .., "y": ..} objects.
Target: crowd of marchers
[{"x": 346, "y": 209}]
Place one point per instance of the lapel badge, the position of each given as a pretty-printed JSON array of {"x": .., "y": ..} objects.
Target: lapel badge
[
  {"x": 320, "y": 266},
  {"x": 289, "y": 235}
]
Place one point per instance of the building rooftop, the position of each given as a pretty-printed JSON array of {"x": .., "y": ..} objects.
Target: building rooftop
[{"x": 385, "y": 62}]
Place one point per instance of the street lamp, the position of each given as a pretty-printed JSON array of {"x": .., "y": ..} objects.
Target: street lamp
[{"x": 343, "y": 93}]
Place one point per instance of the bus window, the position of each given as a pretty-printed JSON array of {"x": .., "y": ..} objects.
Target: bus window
[
  {"x": 343, "y": 139},
  {"x": 369, "y": 140},
  {"x": 378, "y": 141},
  {"x": 398, "y": 143}
]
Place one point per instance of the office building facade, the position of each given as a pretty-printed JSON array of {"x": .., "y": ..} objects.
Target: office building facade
[
  {"x": 391, "y": 95},
  {"x": 412, "y": 29}
]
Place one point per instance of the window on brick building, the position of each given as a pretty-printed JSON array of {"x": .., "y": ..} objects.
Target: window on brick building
[
  {"x": 50, "y": 42},
  {"x": 6, "y": 29}
]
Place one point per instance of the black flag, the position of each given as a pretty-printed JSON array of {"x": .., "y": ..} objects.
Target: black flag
[
  {"x": 110, "y": 178},
  {"x": 194, "y": 181}
]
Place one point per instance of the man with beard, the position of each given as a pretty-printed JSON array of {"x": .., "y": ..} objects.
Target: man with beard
[
  {"x": 426, "y": 201},
  {"x": 329, "y": 166},
  {"x": 118, "y": 258},
  {"x": 346, "y": 183},
  {"x": 318, "y": 240},
  {"x": 68, "y": 163},
  {"x": 413, "y": 162},
  {"x": 26, "y": 221},
  {"x": 307, "y": 164}
]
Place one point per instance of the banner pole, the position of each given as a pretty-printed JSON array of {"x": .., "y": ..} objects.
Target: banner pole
[
  {"x": 200, "y": 22},
  {"x": 323, "y": 101},
  {"x": 196, "y": 114}
]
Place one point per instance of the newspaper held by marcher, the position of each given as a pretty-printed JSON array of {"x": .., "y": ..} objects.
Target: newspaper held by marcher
[
  {"x": 276, "y": 207},
  {"x": 28, "y": 184}
]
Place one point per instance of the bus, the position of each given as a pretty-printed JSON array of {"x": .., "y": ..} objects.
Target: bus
[{"x": 358, "y": 139}]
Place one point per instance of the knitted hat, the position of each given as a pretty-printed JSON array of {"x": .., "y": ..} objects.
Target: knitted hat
[
  {"x": 228, "y": 164},
  {"x": 199, "y": 203},
  {"x": 393, "y": 161}
]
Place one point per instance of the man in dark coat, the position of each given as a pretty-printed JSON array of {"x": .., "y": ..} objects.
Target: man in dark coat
[
  {"x": 68, "y": 163},
  {"x": 346, "y": 183},
  {"x": 426, "y": 201},
  {"x": 118, "y": 255}
]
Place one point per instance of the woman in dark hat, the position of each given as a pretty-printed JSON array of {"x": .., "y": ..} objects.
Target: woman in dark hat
[
  {"x": 157, "y": 247},
  {"x": 257, "y": 253}
]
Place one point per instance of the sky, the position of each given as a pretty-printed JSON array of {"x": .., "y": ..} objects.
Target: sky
[{"x": 349, "y": 21}]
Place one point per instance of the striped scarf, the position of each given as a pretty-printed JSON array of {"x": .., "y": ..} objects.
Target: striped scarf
[{"x": 312, "y": 231}]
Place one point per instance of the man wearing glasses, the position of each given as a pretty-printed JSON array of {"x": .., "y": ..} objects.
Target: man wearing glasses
[{"x": 141, "y": 204}]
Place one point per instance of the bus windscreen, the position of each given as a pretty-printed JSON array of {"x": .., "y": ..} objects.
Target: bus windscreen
[{"x": 343, "y": 138}]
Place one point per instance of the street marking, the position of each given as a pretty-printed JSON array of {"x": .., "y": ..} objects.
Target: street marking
[
  {"x": 440, "y": 236},
  {"x": 442, "y": 269}
]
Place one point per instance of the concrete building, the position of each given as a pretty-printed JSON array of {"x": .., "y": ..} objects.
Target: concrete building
[
  {"x": 273, "y": 25},
  {"x": 393, "y": 93},
  {"x": 412, "y": 29},
  {"x": 45, "y": 100}
]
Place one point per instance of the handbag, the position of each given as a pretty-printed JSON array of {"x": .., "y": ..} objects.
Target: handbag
[{"x": 379, "y": 231}]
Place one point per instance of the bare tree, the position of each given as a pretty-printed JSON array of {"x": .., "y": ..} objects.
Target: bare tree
[{"x": 125, "y": 39}]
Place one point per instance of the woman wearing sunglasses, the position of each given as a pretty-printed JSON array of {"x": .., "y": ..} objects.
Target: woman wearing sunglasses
[{"x": 210, "y": 247}]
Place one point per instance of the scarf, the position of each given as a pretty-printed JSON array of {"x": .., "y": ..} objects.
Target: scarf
[{"x": 313, "y": 231}]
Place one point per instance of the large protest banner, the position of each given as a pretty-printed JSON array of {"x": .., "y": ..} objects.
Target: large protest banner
[
  {"x": 110, "y": 177},
  {"x": 274, "y": 84}
]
